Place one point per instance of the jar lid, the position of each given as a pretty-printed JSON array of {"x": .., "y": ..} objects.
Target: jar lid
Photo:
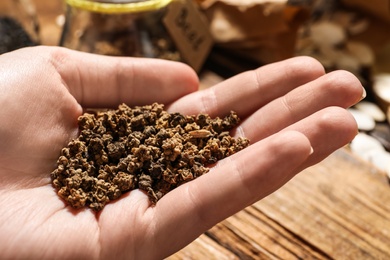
[{"x": 116, "y": 8}]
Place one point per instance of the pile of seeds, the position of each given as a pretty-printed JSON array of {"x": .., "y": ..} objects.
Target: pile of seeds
[{"x": 142, "y": 148}]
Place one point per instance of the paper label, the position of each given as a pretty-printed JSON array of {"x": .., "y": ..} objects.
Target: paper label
[{"x": 190, "y": 32}]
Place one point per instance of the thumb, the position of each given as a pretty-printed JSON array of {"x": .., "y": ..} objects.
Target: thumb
[{"x": 103, "y": 81}]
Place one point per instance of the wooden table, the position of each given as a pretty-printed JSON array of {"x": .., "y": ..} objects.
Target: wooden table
[{"x": 338, "y": 209}]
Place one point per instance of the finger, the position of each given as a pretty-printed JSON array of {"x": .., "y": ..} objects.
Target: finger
[
  {"x": 250, "y": 90},
  {"x": 102, "y": 81},
  {"x": 339, "y": 88},
  {"x": 235, "y": 183},
  {"x": 327, "y": 130}
]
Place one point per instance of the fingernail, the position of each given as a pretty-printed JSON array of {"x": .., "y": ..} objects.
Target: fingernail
[
  {"x": 364, "y": 94},
  {"x": 311, "y": 151}
]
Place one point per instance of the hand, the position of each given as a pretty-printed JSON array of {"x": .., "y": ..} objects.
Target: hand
[{"x": 293, "y": 113}]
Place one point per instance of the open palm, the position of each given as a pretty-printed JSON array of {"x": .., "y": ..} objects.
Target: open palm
[{"x": 293, "y": 114}]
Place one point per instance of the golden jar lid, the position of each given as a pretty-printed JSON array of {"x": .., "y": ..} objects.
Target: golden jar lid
[{"x": 117, "y": 8}]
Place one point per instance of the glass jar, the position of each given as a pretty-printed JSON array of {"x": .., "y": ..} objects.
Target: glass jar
[
  {"x": 119, "y": 28},
  {"x": 18, "y": 25}
]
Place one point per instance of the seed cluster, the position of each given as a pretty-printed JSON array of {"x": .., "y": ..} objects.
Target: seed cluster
[{"x": 142, "y": 148}]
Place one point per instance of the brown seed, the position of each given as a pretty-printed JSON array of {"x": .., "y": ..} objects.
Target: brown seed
[
  {"x": 142, "y": 148},
  {"x": 202, "y": 133}
]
